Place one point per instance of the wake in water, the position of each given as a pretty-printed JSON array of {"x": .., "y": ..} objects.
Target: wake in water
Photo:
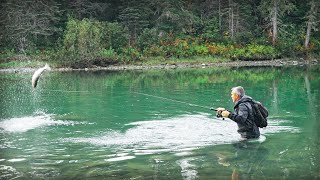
[
  {"x": 179, "y": 134},
  {"x": 23, "y": 124}
]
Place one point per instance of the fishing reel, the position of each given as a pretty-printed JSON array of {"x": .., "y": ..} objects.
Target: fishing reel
[{"x": 218, "y": 114}]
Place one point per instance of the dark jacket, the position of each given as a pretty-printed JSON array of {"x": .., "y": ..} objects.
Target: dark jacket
[{"x": 243, "y": 116}]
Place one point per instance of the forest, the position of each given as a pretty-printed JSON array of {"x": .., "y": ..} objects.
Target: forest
[{"x": 86, "y": 33}]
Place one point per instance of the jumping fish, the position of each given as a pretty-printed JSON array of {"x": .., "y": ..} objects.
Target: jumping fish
[{"x": 37, "y": 73}]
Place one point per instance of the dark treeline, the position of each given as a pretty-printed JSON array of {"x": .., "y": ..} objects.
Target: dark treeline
[{"x": 100, "y": 32}]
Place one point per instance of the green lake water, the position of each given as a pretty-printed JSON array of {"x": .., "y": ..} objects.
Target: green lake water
[{"x": 123, "y": 125}]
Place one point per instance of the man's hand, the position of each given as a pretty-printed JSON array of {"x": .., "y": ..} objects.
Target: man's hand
[
  {"x": 222, "y": 112},
  {"x": 220, "y": 109},
  {"x": 225, "y": 113}
]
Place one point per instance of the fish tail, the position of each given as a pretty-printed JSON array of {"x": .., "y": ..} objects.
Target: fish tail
[{"x": 47, "y": 67}]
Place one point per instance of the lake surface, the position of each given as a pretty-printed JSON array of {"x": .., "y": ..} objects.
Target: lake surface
[{"x": 145, "y": 125}]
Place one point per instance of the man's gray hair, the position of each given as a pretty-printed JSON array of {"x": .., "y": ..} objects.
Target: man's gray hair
[{"x": 238, "y": 90}]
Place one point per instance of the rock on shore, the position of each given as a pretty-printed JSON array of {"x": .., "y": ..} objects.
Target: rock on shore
[{"x": 271, "y": 63}]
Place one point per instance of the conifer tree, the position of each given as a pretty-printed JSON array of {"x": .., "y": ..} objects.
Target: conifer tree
[
  {"x": 272, "y": 11},
  {"x": 25, "y": 22},
  {"x": 135, "y": 15}
]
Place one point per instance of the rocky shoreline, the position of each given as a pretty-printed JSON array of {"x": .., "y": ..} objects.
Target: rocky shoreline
[{"x": 271, "y": 63}]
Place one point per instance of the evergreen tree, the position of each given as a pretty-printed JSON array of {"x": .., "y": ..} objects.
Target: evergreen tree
[
  {"x": 135, "y": 15},
  {"x": 87, "y": 9},
  {"x": 272, "y": 11},
  {"x": 26, "y": 23},
  {"x": 174, "y": 16}
]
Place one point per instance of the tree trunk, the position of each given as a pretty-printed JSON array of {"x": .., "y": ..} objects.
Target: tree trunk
[
  {"x": 231, "y": 19},
  {"x": 237, "y": 25},
  {"x": 311, "y": 19},
  {"x": 274, "y": 22},
  {"x": 22, "y": 45},
  {"x": 306, "y": 42},
  {"x": 220, "y": 17}
]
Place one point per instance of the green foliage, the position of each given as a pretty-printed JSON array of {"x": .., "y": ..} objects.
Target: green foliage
[
  {"x": 134, "y": 15},
  {"x": 90, "y": 42},
  {"x": 28, "y": 25},
  {"x": 114, "y": 36},
  {"x": 122, "y": 31},
  {"x": 6, "y": 54},
  {"x": 108, "y": 54},
  {"x": 253, "y": 52},
  {"x": 172, "y": 18},
  {"x": 291, "y": 44},
  {"x": 148, "y": 37},
  {"x": 180, "y": 48},
  {"x": 154, "y": 51},
  {"x": 211, "y": 31},
  {"x": 315, "y": 47},
  {"x": 82, "y": 38},
  {"x": 200, "y": 50},
  {"x": 130, "y": 53}
]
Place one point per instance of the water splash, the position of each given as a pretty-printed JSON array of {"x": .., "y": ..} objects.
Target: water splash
[
  {"x": 188, "y": 170},
  {"x": 120, "y": 158},
  {"x": 8, "y": 172},
  {"x": 175, "y": 134},
  {"x": 39, "y": 119}
]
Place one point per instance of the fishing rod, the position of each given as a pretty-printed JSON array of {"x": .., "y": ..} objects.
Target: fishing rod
[{"x": 182, "y": 102}]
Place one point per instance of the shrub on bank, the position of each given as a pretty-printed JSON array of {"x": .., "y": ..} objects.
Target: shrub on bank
[
  {"x": 130, "y": 54},
  {"x": 154, "y": 51},
  {"x": 254, "y": 52},
  {"x": 89, "y": 42}
]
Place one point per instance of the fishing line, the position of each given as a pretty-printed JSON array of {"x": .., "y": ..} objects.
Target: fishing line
[
  {"x": 56, "y": 90},
  {"x": 182, "y": 102}
]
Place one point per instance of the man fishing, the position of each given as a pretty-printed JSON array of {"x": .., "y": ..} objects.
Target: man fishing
[{"x": 243, "y": 114}]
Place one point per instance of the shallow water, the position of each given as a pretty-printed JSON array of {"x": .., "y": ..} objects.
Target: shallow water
[{"x": 123, "y": 125}]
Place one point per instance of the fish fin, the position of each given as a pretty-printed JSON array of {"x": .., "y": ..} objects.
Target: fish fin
[{"x": 35, "y": 83}]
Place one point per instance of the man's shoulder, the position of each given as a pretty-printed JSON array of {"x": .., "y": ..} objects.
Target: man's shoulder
[
  {"x": 244, "y": 105},
  {"x": 246, "y": 98}
]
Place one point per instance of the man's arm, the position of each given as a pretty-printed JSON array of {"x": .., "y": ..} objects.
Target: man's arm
[{"x": 242, "y": 115}]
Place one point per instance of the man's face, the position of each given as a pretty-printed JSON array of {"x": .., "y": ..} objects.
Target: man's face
[{"x": 234, "y": 96}]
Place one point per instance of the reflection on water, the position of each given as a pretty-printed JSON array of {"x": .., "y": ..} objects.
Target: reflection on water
[{"x": 92, "y": 125}]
